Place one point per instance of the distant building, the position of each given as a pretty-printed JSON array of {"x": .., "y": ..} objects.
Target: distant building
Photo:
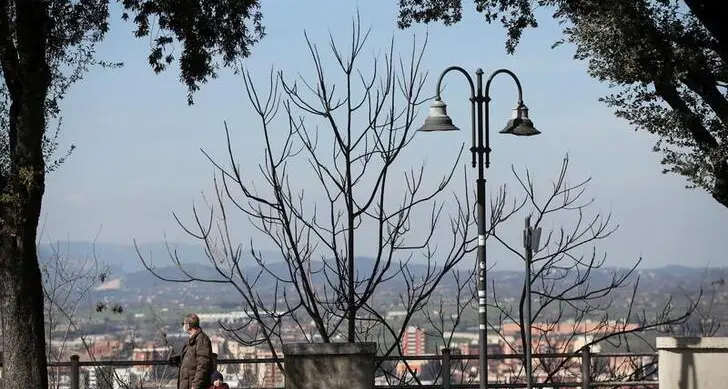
[
  {"x": 269, "y": 375},
  {"x": 105, "y": 348},
  {"x": 149, "y": 353},
  {"x": 413, "y": 341},
  {"x": 218, "y": 345}
]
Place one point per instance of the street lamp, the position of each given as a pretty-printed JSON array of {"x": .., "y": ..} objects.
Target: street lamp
[
  {"x": 531, "y": 241},
  {"x": 520, "y": 125}
]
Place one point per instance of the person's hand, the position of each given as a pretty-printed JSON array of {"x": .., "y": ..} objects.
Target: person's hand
[{"x": 174, "y": 360}]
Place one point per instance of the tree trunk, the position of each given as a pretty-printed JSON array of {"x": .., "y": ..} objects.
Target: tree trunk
[
  {"x": 21, "y": 289},
  {"x": 27, "y": 78},
  {"x": 712, "y": 14},
  {"x": 22, "y": 315},
  {"x": 720, "y": 189}
]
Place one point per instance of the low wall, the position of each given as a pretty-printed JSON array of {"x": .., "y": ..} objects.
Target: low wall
[
  {"x": 329, "y": 365},
  {"x": 692, "y": 363}
]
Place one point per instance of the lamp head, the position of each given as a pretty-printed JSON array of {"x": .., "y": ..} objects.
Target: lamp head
[
  {"x": 520, "y": 124},
  {"x": 437, "y": 119}
]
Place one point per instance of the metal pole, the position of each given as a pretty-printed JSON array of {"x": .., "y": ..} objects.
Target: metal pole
[
  {"x": 74, "y": 372},
  {"x": 350, "y": 278},
  {"x": 527, "y": 242},
  {"x": 480, "y": 185},
  {"x": 446, "y": 368},
  {"x": 586, "y": 368}
]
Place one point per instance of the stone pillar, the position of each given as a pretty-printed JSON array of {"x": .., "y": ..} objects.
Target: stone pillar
[
  {"x": 329, "y": 365},
  {"x": 692, "y": 363}
]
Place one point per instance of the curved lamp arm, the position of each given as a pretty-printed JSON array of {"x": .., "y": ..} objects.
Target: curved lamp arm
[
  {"x": 487, "y": 99},
  {"x": 472, "y": 100},
  {"x": 463, "y": 72},
  {"x": 513, "y": 76}
]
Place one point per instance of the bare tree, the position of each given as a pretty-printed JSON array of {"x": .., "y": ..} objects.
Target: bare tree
[
  {"x": 578, "y": 301},
  {"x": 66, "y": 286},
  {"x": 345, "y": 138},
  {"x": 710, "y": 308},
  {"x": 68, "y": 281},
  {"x": 318, "y": 286}
]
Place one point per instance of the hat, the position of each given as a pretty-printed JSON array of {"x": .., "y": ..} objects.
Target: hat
[{"x": 216, "y": 376}]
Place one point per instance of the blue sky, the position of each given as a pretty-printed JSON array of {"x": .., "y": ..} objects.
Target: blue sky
[{"x": 138, "y": 156}]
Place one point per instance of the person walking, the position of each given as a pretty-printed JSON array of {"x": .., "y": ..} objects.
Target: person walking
[{"x": 195, "y": 361}]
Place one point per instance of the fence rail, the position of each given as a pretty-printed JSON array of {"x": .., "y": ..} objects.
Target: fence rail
[{"x": 447, "y": 359}]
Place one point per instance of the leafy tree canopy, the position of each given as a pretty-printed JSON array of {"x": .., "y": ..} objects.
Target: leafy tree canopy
[{"x": 211, "y": 34}]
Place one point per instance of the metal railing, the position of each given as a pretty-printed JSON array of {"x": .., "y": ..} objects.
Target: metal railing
[
  {"x": 586, "y": 379},
  {"x": 587, "y": 370}
]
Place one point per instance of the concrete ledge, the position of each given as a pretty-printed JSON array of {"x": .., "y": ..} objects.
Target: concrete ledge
[
  {"x": 692, "y": 363},
  {"x": 329, "y": 365},
  {"x": 314, "y": 349},
  {"x": 666, "y": 343}
]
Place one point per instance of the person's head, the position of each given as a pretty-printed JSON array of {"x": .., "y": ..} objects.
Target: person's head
[
  {"x": 191, "y": 323},
  {"x": 216, "y": 378}
]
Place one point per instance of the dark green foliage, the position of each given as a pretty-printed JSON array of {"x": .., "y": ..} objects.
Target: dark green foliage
[
  {"x": 206, "y": 30},
  {"x": 210, "y": 32},
  {"x": 666, "y": 59}
]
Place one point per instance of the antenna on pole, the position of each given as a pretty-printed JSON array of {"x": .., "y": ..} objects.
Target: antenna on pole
[{"x": 531, "y": 236}]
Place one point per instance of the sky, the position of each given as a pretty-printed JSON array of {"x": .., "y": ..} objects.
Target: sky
[{"x": 138, "y": 158}]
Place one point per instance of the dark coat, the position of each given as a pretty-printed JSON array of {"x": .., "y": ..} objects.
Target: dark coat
[{"x": 196, "y": 363}]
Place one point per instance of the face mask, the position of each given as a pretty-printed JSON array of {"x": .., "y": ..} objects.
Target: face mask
[{"x": 186, "y": 327}]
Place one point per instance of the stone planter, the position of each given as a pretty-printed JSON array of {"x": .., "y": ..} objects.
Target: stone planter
[
  {"x": 329, "y": 365},
  {"x": 692, "y": 363}
]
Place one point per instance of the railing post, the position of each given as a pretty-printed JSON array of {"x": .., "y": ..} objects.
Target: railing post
[
  {"x": 586, "y": 368},
  {"x": 445, "y": 372},
  {"x": 74, "y": 372},
  {"x": 214, "y": 361}
]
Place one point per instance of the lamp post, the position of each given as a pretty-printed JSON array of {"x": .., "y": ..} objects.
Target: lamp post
[
  {"x": 520, "y": 125},
  {"x": 531, "y": 240}
]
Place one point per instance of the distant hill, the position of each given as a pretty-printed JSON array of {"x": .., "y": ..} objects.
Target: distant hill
[
  {"x": 124, "y": 258},
  {"x": 143, "y": 278},
  {"x": 129, "y": 281},
  {"x": 133, "y": 287}
]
